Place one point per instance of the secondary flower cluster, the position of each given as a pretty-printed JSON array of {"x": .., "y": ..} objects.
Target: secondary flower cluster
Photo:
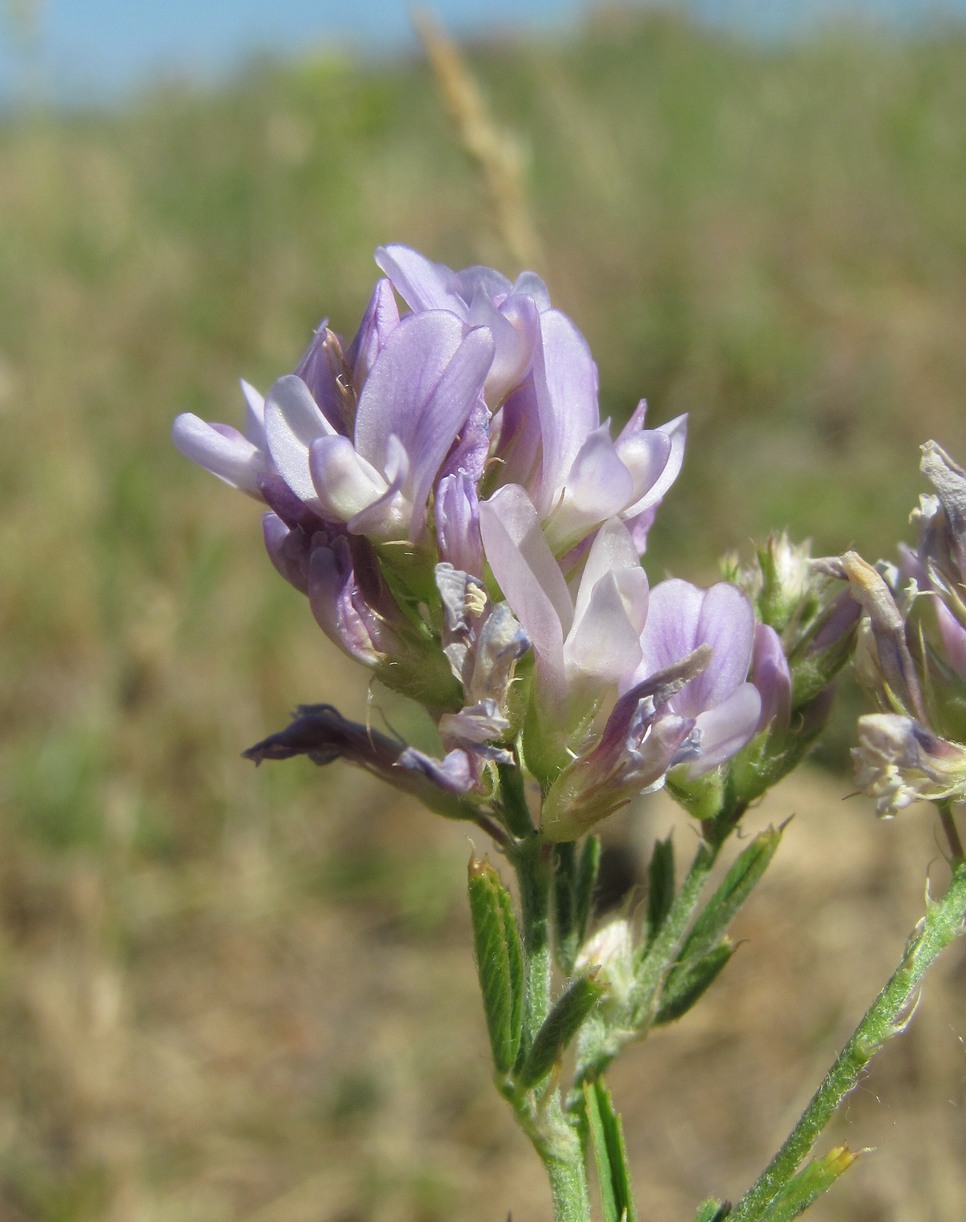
[
  {"x": 912, "y": 653},
  {"x": 444, "y": 492}
]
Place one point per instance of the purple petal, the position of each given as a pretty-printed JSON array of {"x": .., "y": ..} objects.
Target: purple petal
[
  {"x": 529, "y": 284},
  {"x": 471, "y": 449},
  {"x": 338, "y": 606},
  {"x": 421, "y": 390},
  {"x": 222, "y": 450},
  {"x": 772, "y": 678},
  {"x": 452, "y": 773},
  {"x": 517, "y": 441},
  {"x": 654, "y": 459},
  {"x": 344, "y": 483},
  {"x": 378, "y": 323},
  {"x": 422, "y": 284},
  {"x": 293, "y": 421},
  {"x": 254, "y": 417},
  {"x": 288, "y": 550},
  {"x": 682, "y": 617},
  {"x": 516, "y": 332},
  {"x": 323, "y": 370},
  {"x": 528, "y": 575},
  {"x": 727, "y": 624},
  {"x": 610, "y": 608},
  {"x": 598, "y": 486},
  {"x": 565, "y": 380},
  {"x": 671, "y": 628},
  {"x": 726, "y": 727},
  {"x": 457, "y": 512},
  {"x": 474, "y": 283}
]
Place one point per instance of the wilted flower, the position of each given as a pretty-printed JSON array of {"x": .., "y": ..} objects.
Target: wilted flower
[
  {"x": 898, "y": 762},
  {"x": 611, "y": 950},
  {"x": 911, "y": 653},
  {"x": 320, "y": 732}
]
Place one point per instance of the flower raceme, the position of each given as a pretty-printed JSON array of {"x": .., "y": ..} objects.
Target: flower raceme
[{"x": 443, "y": 490}]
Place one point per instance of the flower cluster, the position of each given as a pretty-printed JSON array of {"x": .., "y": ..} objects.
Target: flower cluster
[
  {"x": 444, "y": 492},
  {"x": 911, "y": 656}
]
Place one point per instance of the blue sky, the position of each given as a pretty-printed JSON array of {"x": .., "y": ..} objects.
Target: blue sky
[{"x": 102, "y": 49}]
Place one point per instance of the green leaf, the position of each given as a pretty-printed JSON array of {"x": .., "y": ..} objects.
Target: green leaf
[
  {"x": 567, "y": 941},
  {"x": 687, "y": 983},
  {"x": 610, "y": 1154},
  {"x": 574, "y": 881},
  {"x": 800, "y": 1191},
  {"x": 499, "y": 961},
  {"x": 737, "y": 885},
  {"x": 660, "y": 886},
  {"x": 712, "y": 1211},
  {"x": 559, "y": 1027},
  {"x": 587, "y": 870}
]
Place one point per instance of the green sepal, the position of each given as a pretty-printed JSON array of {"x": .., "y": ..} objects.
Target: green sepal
[
  {"x": 660, "y": 886},
  {"x": 565, "y": 1019},
  {"x": 735, "y": 888},
  {"x": 499, "y": 961},
  {"x": 610, "y": 1154},
  {"x": 702, "y": 797},
  {"x": 712, "y": 1211},
  {"x": 687, "y": 983},
  {"x": 814, "y": 1179}
]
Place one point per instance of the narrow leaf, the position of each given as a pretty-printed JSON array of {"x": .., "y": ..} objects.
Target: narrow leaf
[
  {"x": 737, "y": 885},
  {"x": 574, "y": 882},
  {"x": 660, "y": 886},
  {"x": 559, "y": 1028},
  {"x": 499, "y": 961},
  {"x": 687, "y": 983},
  {"x": 567, "y": 941},
  {"x": 610, "y": 1154}
]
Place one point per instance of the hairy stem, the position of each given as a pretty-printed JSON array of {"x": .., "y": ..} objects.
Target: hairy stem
[{"x": 888, "y": 1016}]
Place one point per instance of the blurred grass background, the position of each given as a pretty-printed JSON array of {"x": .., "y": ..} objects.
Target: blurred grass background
[{"x": 237, "y": 995}]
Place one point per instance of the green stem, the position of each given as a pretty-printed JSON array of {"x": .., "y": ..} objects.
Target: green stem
[
  {"x": 556, "y": 1137},
  {"x": 568, "y": 1184},
  {"x": 888, "y": 1016}
]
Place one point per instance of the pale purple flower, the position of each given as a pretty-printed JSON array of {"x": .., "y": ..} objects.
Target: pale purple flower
[
  {"x": 418, "y": 396},
  {"x": 584, "y": 638},
  {"x": 542, "y": 391},
  {"x": 723, "y": 704},
  {"x": 479, "y": 297},
  {"x": 642, "y": 740},
  {"x": 549, "y": 440},
  {"x": 461, "y": 444}
]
